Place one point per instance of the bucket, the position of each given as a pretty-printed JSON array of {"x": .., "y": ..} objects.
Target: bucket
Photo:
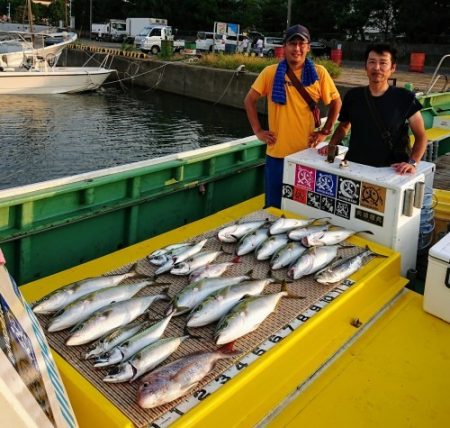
[
  {"x": 336, "y": 56},
  {"x": 190, "y": 48},
  {"x": 279, "y": 52},
  {"x": 417, "y": 62}
]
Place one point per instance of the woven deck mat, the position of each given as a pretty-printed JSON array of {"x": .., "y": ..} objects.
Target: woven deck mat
[{"x": 123, "y": 395}]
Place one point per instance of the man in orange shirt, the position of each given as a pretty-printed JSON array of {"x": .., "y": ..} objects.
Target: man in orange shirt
[{"x": 291, "y": 122}]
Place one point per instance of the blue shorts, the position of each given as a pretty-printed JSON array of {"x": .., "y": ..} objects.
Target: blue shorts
[{"x": 273, "y": 175}]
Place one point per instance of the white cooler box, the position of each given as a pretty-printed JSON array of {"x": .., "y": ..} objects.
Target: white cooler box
[{"x": 437, "y": 284}]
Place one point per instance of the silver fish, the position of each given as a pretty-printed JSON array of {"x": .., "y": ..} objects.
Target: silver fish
[
  {"x": 195, "y": 292},
  {"x": 270, "y": 246},
  {"x": 111, "y": 317},
  {"x": 298, "y": 234},
  {"x": 163, "y": 255},
  {"x": 212, "y": 270},
  {"x": 330, "y": 237},
  {"x": 169, "y": 382},
  {"x": 344, "y": 269},
  {"x": 178, "y": 258},
  {"x": 85, "y": 306},
  {"x": 192, "y": 263},
  {"x": 232, "y": 234},
  {"x": 284, "y": 225},
  {"x": 115, "y": 338},
  {"x": 312, "y": 260},
  {"x": 144, "y": 360},
  {"x": 63, "y": 296},
  {"x": 217, "y": 304},
  {"x": 287, "y": 255},
  {"x": 246, "y": 317},
  {"x": 250, "y": 242},
  {"x": 127, "y": 349}
]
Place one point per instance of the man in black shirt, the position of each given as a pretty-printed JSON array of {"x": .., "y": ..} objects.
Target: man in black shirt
[{"x": 377, "y": 114}]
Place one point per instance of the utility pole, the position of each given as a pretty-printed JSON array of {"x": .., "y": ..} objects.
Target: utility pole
[
  {"x": 289, "y": 5},
  {"x": 90, "y": 19}
]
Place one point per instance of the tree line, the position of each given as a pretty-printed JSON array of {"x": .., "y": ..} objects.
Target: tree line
[{"x": 418, "y": 21}]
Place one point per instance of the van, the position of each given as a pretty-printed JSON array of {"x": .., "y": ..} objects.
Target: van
[{"x": 204, "y": 41}]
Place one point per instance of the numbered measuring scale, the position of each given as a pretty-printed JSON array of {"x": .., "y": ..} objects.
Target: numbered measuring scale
[{"x": 360, "y": 198}]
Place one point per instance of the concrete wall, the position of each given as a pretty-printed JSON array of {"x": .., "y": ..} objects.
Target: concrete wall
[{"x": 224, "y": 87}]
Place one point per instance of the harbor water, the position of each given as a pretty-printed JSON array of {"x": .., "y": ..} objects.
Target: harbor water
[{"x": 52, "y": 136}]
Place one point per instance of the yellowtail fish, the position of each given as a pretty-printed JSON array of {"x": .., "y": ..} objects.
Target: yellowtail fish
[
  {"x": 330, "y": 237},
  {"x": 284, "y": 225},
  {"x": 232, "y": 234},
  {"x": 312, "y": 260}
]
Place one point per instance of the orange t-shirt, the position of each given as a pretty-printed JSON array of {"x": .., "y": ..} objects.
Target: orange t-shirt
[{"x": 293, "y": 122}]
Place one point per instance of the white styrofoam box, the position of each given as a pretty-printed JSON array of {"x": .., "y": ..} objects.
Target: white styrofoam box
[
  {"x": 436, "y": 299},
  {"x": 357, "y": 197}
]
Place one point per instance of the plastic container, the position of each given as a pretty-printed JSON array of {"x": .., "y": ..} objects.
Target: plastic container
[
  {"x": 417, "y": 62},
  {"x": 426, "y": 234},
  {"x": 279, "y": 52},
  {"x": 436, "y": 298},
  {"x": 426, "y": 216},
  {"x": 190, "y": 48},
  {"x": 336, "y": 56}
]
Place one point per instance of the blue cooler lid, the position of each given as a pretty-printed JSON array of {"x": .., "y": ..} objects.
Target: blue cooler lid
[{"x": 441, "y": 250}]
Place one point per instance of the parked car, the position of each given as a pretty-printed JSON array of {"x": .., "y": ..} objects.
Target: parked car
[
  {"x": 204, "y": 41},
  {"x": 320, "y": 49},
  {"x": 270, "y": 43}
]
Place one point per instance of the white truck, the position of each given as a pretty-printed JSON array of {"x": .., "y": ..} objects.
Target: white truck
[
  {"x": 135, "y": 25},
  {"x": 112, "y": 31},
  {"x": 150, "y": 37}
]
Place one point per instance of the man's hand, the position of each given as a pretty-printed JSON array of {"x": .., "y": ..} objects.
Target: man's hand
[
  {"x": 267, "y": 137},
  {"x": 323, "y": 150},
  {"x": 316, "y": 138},
  {"x": 404, "y": 168}
]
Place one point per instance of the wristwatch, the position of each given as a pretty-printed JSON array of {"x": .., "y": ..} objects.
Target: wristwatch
[{"x": 412, "y": 162}]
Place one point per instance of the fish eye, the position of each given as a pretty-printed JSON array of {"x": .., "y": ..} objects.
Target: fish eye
[{"x": 145, "y": 384}]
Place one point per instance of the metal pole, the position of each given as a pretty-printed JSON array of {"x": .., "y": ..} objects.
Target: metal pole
[
  {"x": 289, "y": 5},
  {"x": 90, "y": 19}
]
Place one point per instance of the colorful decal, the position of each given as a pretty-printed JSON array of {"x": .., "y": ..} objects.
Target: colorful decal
[
  {"x": 348, "y": 190},
  {"x": 369, "y": 217},
  {"x": 304, "y": 177},
  {"x": 300, "y": 195},
  {"x": 326, "y": 183},
  {"x": 343, "y": 209},
  {"x": 327, "y": 204},
  {"x": 18, "y": 348},
  {"x": 373, "y": 197},
  {"x": 287, "y": 191},
  {"x": 313, "y": 200}
]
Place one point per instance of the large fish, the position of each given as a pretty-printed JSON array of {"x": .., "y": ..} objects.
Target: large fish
[
  {"x": 271, "y": 245},
  {"x": 298, "y": 234},
  {"x": 63, "y": 296},
  {"x": 330, "y": 237},
  {"x": 312, "y": 260},
  {"x": 169, "y": 382},
  {"x": 246, "y": 317},
  {"x": 111, "y": 317},
  {"x": 344, "y": 269},
  {"x": 116, "y": 337},
  {"x": 212, "y": 270},
  {"x": 163, "y": 255},
  {"x": 217, "y": 304},
  {"x": 144, "y": 360},
  {"x": 85, "y": 306},
  {"x": 195, "y": 262},
  {"x": 127, "y": 349},
  {"x": 286, "y": 255},
  {"x": 194, "y": 293},
  {"x": 232, "y": 234},
  {"x": 284, "y": 225},
  {"x": 252, "y": 240},
  {"x": 180, "y": 257}
]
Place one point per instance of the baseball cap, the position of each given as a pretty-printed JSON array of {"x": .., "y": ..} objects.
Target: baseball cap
[{"x": 297, "y": 31}]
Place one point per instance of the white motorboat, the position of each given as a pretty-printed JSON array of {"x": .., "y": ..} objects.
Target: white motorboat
[
  {"x": 16, "y": 46},
  {"x": 39, "y": 78}
]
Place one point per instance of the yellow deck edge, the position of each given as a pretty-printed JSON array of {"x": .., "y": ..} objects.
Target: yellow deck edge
[{"x": 395, "y": 375}]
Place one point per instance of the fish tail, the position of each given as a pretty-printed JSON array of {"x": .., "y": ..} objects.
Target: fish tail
[
  {"x": 365, "y": 231},
  {"x": 186, "y": 332},
  {"x": 227, "y": 349},
  {"x": 249, "y": 273},
  {"x": 374, "y": 252},
  {"x": 290, "y": 295}
]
